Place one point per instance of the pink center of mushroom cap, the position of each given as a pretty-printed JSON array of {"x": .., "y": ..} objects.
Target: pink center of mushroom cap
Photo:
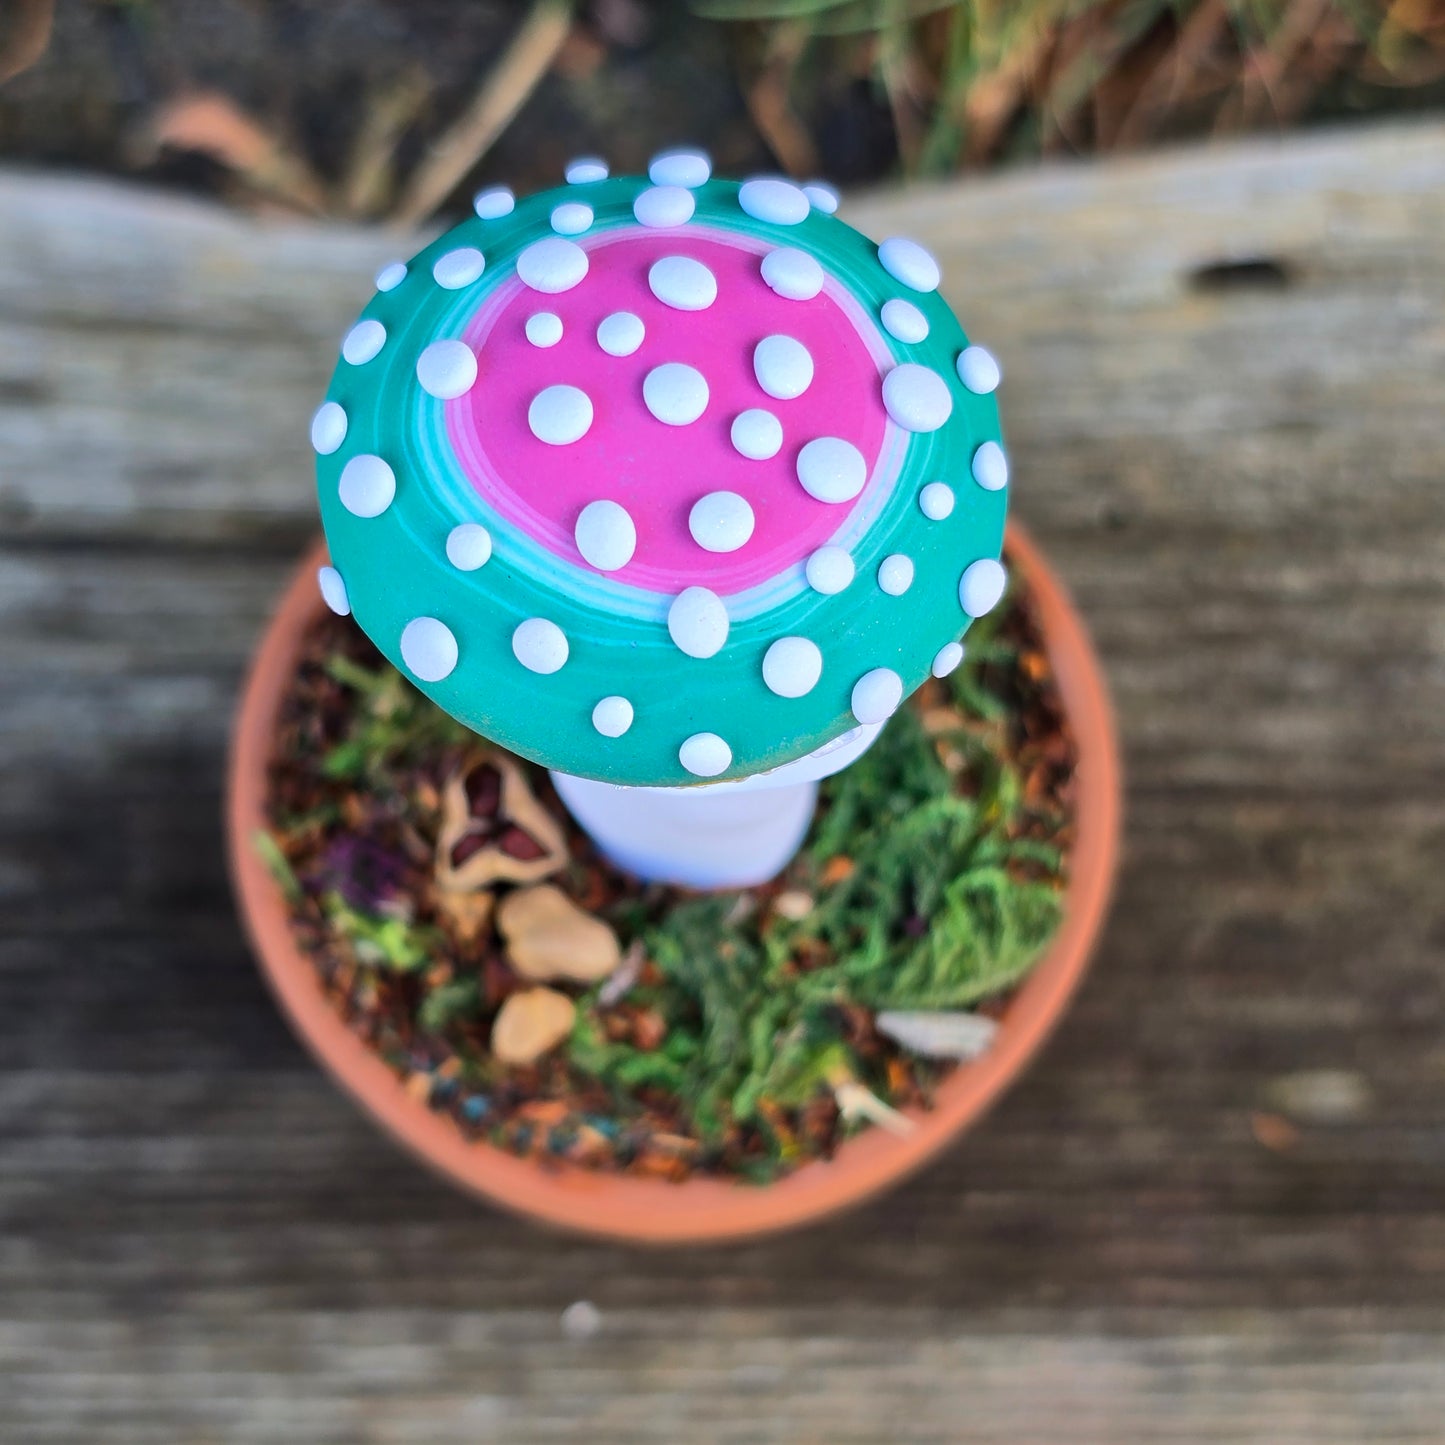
[{"x": 657, "y": 471}]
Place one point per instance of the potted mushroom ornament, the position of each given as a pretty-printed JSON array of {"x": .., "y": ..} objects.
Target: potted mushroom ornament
[{"x": 677, "y": 488}]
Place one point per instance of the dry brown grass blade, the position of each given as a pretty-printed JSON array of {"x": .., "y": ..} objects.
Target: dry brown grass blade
[
  {"x": 769, "y": 98},
  {"x": 995, "y": 98},
  {"x": 1309, "y": 47},
  {"x": 501, "y": 95},
  {"x": 1179, "y": 74},
  {"x": 211, "y": 124},
  {"x": 367, "y": 187},
  {"x": 25, "y": 36},
  {"x": 910, "y": 92}
]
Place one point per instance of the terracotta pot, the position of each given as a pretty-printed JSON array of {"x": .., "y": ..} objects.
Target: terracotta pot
[{"x": 653, "y": 1211}]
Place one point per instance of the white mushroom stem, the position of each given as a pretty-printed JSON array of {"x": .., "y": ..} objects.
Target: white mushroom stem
[{"x": 715, "y": 835}]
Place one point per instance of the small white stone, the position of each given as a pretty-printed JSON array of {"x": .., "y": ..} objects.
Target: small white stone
[
  {"x": 978, "y": 370},
  {"x": 792, "y": 666},
  {"x": 697, "y": 621},
  {"x": 916, "y": 398},
  {"x": 612, "y": 716},
  {"x": 571, "y": 218},
  {"x": 675, "y": 393},
  {"x": 621, "y": 333},
  {"x": 721, "y": 522},
  {"x": 544, "y": 328},
  {"x": 821, "y": 196},
  {"x": 903, "y": 321},
  {"x": 771, "y": 198},
  {"x": 757, "y": 434},
  {"x": 363, "y": 341},
  {"x": 458, "y": 268},
  {"x": 333, "y": 591},
  {"x": 831, "y": 469},
  {"x": 552, "y": 265},
  {"x": 829, "y": 570},
  {"x": 876, "y": 695},
  {"x": 908, "y": 262},
  {"x": 680, "y": 167},
  {"x": 705, "y": 755},
  {"x": 663, "y": 206},
  {"x": 429, "y": 649},
  {"x": 560, "y": 415},
  {"x": 367, "y": 486},
  {"x": 469, "y": 546},
  {"x": 390, "y": 277},
  {"x": 990, "y": 467},
  {"x": 981, "y": 586},
  {"x": 581, "y": 1320},
  {"x": 792, "y": 273},
  {"x": 895, "y": 574},
  {"x": 539, "y": 645},
  {"x": 328, "y": 428},
  {"x": 606, "y": 535},
  {"x": 936, "y": 501},
  {"x": 947, "y": 659},
  {"x": 783, "y": 366},
  {"x": 683, "y": 283},
  {"x": 585, "y": 169},
  {"x": 494, "y": 202},
  {"x": 446, "y": 369}
]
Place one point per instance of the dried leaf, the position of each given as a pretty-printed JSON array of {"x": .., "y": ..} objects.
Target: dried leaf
[
  {"x": 531, "y": 1023},
  {"x": 548, "y": 936}
]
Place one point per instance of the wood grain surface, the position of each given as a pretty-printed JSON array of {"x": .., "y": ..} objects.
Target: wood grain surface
[{"x": 1214, "y": 1211}]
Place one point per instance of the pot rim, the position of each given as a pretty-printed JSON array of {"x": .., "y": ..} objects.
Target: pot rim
[{"x": 697, "y": 1210}]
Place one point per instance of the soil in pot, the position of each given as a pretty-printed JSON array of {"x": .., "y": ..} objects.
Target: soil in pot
[{"x": 472, "y": 936}]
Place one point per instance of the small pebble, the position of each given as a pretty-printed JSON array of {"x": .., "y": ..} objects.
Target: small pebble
[
  {"x": 793, "y": 904},
  {"x": 582, "y": 1320}
]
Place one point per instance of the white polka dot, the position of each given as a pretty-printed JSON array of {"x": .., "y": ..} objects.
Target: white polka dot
[
  {"x": 469, "y": 546},
  {"x": 682, "y": 283},
  {"x": 367, "y": 486},
  {"x": 720, "y": 522},
  {"x": 830, "y": 569},
  {"x": 916, "y": 398},
  {"x": 363, "y": 341},
  {"x": 446, "y": 369},
  {"x": 390, "y": 277},
  {"x": 571, "y": 218},
  {"x": 831, "y": 469},
  {"x": 821, "y": 196},
  {"x": 903, "y": 321},
  {"x": 494, "y": 202},
  {"x": 539, "y": 645},
  {"x": 936, "y": 501},
  {"x": 606, "y": 535},
  {"x": 612, "y": 716},
  {"x": 990, "y": 467},
  {"x": 792, "y": 273},
  {"x": 664, "y": 206},
  {"x": 910, "y": 263},
  {"x": 876, "y": 695},
  {"x": 757, "y": 434},
  {"x": 771, "y": 198},
  {"x": 552, "y": 265},
  {"x": 675, "y": 393},
  {"x": 783, "y": 366},
  {"x": 458, "y": 268},
  {"x": 978, "y": 370},
  {"x": 585, "y": 169},
  {"x": 560, "y": 415},
  {"x": 328, "y": 428},
  {"x": 680, "y": 167},
  {"x": 544, "y": 328},
  {"x": 621, "y": 333},
  {"x": 429, "y": 649},
  {"x": 981, "y": 586},
  {"x": 947, "y": 659},
  {"x": 697, "y": 621},
  {"x": 705, "y": 755},
  {"x": 792, "y": 666},
  {"x": 895, "y": 574},
  {"x": 333, "y": 591}
]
